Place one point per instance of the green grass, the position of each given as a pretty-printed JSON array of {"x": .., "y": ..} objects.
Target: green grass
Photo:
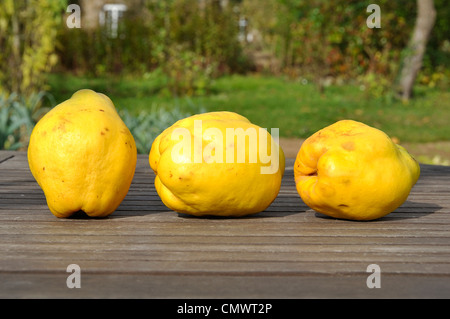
[{"x": 298, "y": 110}]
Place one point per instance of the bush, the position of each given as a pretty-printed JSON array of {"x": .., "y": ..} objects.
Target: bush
[
  {"x": 190, "y": 43},
  {"x": 18, "y": 116},
  {"x": 147, "y": 125},
  {"x": 27, "y": 37},
  {"x": 188, "y": 73}
]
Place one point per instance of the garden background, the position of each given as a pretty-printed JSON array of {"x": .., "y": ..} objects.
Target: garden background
[{"x": 296, "y": 65}]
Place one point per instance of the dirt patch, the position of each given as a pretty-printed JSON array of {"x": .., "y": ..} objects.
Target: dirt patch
[
  {"x": 436, "y": 153},
  {"x": 290, "y": 146}
]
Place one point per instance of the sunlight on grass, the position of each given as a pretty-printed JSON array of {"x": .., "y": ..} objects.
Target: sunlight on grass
[{"x": 297, "y": 109}]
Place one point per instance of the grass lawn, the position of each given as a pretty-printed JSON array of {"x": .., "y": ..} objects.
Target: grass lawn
[{"x": 298, "y": 110}]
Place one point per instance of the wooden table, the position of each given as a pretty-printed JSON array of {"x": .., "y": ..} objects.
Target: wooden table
[{"x": 144, "y": 250}]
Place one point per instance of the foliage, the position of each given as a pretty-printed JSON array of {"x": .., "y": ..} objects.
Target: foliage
[
  {"x": 438, "y": 50},
  {"x": 18, "y": 115},
  {"x": 330, "y": 39},
  {"x": 148, "y": 124},
  {"x": 190, "y": 43},
  {"x": 10, "y": 124},
  {"x": 93, "y": 52},
  {"x": 208, "y": 29},
  {"x": 195, "y": 42},
  {"x": 188, "y": 73},
  {"x": 27, "y": 39}
]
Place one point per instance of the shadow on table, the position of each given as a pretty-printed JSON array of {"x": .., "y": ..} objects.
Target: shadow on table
[
  {"x": 263, "y": 214},
  {"x": 409, "y": 210},
  {"x": 276, "y": 210}
]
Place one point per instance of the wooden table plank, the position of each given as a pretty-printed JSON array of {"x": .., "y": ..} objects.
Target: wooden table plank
[{"x": 144, "y": 250}]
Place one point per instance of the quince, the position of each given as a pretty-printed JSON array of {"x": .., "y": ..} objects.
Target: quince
[
  {"x": 83, "y": 156},
  {"x": 353, "y": 171},
  {"x": 217, "y": 163}
]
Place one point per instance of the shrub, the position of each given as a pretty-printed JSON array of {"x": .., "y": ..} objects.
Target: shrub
[
  {"x": 188, "y": 73},
  {"x": 27, "y": 38},
  {"x": 18, "y": 116},
  {"x": 191, "y": 43},
  {"x": 147, "y": 125}
]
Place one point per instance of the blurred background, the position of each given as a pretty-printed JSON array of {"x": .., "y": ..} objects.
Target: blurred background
[{"x": 297, "y": 65}]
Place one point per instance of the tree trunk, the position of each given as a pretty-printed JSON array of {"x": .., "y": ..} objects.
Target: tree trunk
[{"x": 426, "y": 16}]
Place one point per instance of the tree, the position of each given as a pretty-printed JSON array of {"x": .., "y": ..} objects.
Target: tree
[
  {"x": 27, "y": 43},
  {"x": 426, "y": 16}
]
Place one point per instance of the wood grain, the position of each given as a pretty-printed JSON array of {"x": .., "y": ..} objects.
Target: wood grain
[{"x": 145, "y": 250}]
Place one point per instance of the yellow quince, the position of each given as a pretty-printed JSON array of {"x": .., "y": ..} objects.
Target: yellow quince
[
  {"x": 353, "y": 171},
  {"x": 217, "y": 163},
  {"x": 83, "y": 156}
]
